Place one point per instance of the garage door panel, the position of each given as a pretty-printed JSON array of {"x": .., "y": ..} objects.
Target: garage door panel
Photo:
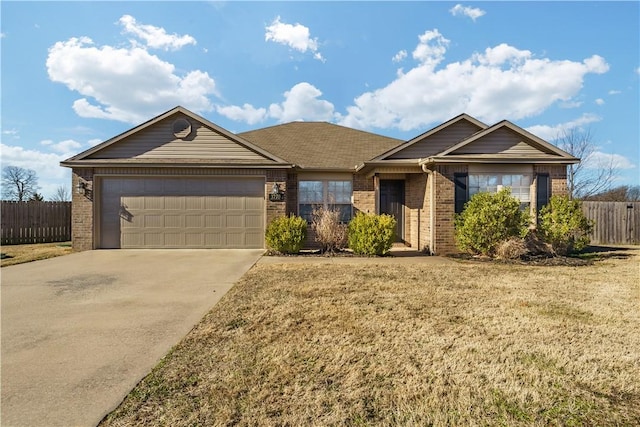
[
  {"x": 149, "y": 220},
  {"x": 151, "y": 202},
  {"x": 174, "y": 203},
  {"x": 195, "y": 202},
  {"x": 194, "y": 221},
  {"x": 254, "y": 239},
  {"x": 235, "y": 203},
  {"x": 180, "y": 212},
  {"x": 173, "y": 221},
  {"x": 253, "y": 221}
]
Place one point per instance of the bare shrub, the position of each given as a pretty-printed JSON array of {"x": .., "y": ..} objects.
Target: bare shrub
[
  {"x": 513, "y": 248},
  {"x": 537, "y": 247},
  {"x": 329, "y": 231}
]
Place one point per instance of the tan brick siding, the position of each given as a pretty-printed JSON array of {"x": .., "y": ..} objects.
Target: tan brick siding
[
  {"x": 417, "y": 205},
  {"x": 364, "y": 194},
  {"x": 444, "y": 208},
  {"x": 557, "y": 176},
  {"x": 82, "y": 212},
  {"x": 276, "y": 209}
]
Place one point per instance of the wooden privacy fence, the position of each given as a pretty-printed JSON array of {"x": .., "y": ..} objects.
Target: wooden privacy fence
[
  {"x": 35, "y": 222},
  {"x": 616, "y": 223}
]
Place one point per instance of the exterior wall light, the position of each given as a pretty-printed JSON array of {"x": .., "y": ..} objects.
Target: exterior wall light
[{"x": 81, "y": 188}]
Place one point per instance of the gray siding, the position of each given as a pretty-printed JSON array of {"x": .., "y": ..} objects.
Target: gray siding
[
  {"x": 159, "y": 142},
  {"x": 503, "y": 141},
  {"x": 438, "y": 142}
]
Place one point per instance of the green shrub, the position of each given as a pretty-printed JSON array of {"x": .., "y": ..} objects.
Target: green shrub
[
  {"x": 564, "y": 226},
  {"x": 371, "y": 234},
  {"x": 329, "y": 231},
  {"x": 286, "y": 234},
  {"x": 489, "y": 219}
]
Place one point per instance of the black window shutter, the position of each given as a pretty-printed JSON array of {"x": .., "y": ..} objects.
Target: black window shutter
[
  {"x": 542, "y": 190},
  {"x": 461, "y": 181}
]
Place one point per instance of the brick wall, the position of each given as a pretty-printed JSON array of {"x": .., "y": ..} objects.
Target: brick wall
[
  {"x": 557, "y": 176},
  {"x": 276, "y": 209},
  {"x": 444, "y": 208},
  {"x": 364, "y": 194},
  {"x": 292, "y": 194},
  {"x": 417, "y": 207},
  {"x": 82, "y": 215}
]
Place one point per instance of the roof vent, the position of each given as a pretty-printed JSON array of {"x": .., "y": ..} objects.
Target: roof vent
[{"x": 181, "y": 128}]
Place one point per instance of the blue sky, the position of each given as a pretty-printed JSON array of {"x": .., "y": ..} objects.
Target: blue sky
[{"x": 77, "y": 73}]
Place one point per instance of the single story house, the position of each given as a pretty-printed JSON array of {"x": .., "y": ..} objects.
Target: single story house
[{"x": 180, "y": 181}]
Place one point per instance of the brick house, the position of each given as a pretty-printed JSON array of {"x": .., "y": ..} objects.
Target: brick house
[{"x": 180, "y": 181}]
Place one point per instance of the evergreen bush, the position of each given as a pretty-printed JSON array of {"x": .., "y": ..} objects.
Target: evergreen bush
[
  {"x": 564, "y": 225},
  {"x": 489, "y": 219},
  {"x": 286, "y": 234},
  {"x": 371, "y": 234}
]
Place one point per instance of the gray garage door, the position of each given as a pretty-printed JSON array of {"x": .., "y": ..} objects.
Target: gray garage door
[{"x": 141, "y": 212}]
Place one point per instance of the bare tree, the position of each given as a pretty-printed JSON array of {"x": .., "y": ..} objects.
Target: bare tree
[
  {"x": 623, "y": 193},
  {"x": 594, "y": 174},
  {"x": 61, "y": 195},
  {"x": 18, "y": 183}
]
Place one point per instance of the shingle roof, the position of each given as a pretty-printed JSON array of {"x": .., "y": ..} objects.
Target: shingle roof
[{"x": 320, "y": 145}]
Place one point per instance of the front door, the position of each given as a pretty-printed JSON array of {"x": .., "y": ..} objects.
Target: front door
[{"x": 392, "y": 203}]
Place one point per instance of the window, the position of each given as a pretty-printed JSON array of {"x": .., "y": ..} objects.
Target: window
[
  {"x": 325, "y": 194},
  {"x": 520, "y": 185}
]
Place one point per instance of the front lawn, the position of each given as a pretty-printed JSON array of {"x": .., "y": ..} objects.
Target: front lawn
[{"x": 465, "y": 343}]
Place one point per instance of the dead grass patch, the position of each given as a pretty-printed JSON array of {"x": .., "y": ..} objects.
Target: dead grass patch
[
  {"x": 18, "y": 254},
  {"x": 384, "y": 344}
]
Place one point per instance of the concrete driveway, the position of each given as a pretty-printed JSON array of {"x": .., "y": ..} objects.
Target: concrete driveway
[{"x": 80, "y": 331}]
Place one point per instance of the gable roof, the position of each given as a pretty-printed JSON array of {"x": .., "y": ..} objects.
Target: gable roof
[
  {"x": 428, "y": 143},
  {"x": 510, "y": 143},
  {"x": 133, "y": 147},
  {"x": 320, "y": 145}
]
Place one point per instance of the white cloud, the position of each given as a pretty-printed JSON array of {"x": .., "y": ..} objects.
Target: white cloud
[
  {"x": 600, "y": 160},
  {"x": 68, "y": 147},
  {"x": 295, "y": 36},
  {"x": 399, "y": 56},
  {"x": 550, "y": 133},
  {"x": 14, "y": 133},
  {"x": 599, "y": 101},
  {"x": 125, "y": 84},
  {"x": 247, "y": 113},
  {"x": 472, "y": 12},
  {"x": 501, "y": 82},
  {"x": 572, "y": 103},
  {"x": 155, "y": 37},
  {"x": 614, "y": 92},
  {"x": 431, "y": 48},
  {"x": 93, "y": 142},
  {"x": 638, "y": 70},
  {"x": 302, "y": 103}
]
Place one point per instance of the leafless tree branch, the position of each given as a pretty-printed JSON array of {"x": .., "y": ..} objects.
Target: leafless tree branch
[
  {"x": 593, "y": 175},
  {"x": 18, "y": 183}
]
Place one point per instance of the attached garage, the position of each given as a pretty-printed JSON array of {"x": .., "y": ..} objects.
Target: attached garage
[
  {"x": 180, "y": 212},
  {"x": 176, "y": 181}
]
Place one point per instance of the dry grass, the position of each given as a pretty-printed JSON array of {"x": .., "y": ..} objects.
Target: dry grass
[
  {"x": 410, "y": 344},
  {"x": 18, "y": 254}
]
